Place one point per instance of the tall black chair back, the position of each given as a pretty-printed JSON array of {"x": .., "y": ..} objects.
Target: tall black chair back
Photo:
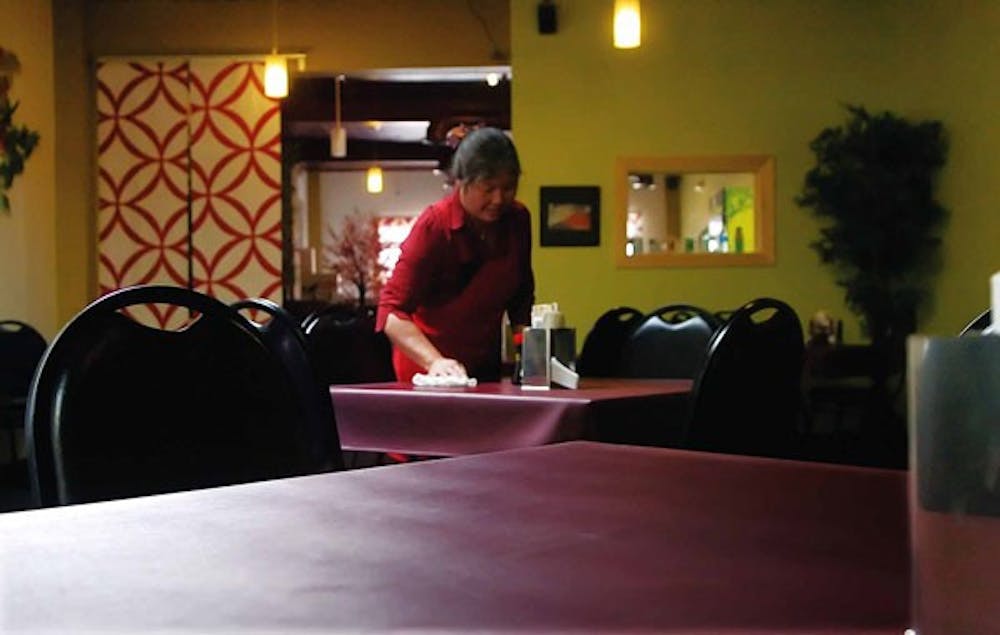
[
  {"x": 978, "y": 324},
  {"x": 601, "y": 353},
  {"x": 346, "y": 349},
  {"x": 286, "y": 339},
  {"x": 21, "y": 349},
  {"x": 120, "y": 409},
  {"x": 747, "y": 399},
  {"x": 672, "y": 342}
]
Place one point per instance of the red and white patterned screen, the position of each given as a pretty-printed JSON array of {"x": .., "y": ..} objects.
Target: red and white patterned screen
[{"x": 189, "y": 178}]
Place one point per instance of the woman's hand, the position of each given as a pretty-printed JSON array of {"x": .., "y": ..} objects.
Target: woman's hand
[
  {"x": 446, "y": 367},
  {"x": 405, "y": 335}
]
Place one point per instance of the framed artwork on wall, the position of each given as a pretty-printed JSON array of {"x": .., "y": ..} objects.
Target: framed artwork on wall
[{"x": 570, "y": 216}]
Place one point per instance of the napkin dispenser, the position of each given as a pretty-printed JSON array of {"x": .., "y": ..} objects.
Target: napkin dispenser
[{"x": 548, "y": 355}]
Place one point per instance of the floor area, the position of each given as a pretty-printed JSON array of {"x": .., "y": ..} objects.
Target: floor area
[{"x": 847, "y": 440}]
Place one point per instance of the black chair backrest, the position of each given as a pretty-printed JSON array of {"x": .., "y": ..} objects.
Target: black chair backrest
[
  {"x": 286, "y": 339},
  {"x": 747, "y": 399},
  {"x": 120, "y": 409},
  {"x": 723, "y": 315},
  {"x": 671, "y": 341},
  {"x": 346, "y": 349},
  {"x": 21, "y": 348},
  {"x": 601, "y": 353},
  {"x": 978, "y": 324}
]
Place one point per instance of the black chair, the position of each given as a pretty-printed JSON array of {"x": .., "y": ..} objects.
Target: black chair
[
  {"x": 837, "y": 385},
  {"x": 747, "y": 399},
  {"x": 284, "y": 336},
  {"x": 121, "y": 409},
  {"x": 21, "y": 348},
  {"x": 978, "y": 324},
  {"x": 671, "y": 342},
  {"x": 601, "y": 353},
  {"x": 346, "y": 349},
  {"x": 723, "y": 315}
]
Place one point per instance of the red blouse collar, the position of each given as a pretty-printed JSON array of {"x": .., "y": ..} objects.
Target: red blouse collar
[{"x": 456, "y": 211}]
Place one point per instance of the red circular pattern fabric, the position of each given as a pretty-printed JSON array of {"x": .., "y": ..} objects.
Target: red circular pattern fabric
[{"x": 189, "y": 179}]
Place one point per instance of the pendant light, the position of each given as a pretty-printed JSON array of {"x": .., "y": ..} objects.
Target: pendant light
[
  {"x": 628, "y": 31},
  {"x": 338, "y": 135},
  {"x": 373, "y": 177},
  {"x": 275, "y": 66},
  {"x": 275, "y": 77},
  {"x": 373, "y": 180}
]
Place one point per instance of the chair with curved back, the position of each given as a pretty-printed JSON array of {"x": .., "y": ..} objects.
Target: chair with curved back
[
  {"x": 600, "y": 355},
  {"x": 284, "y": 336},
  {"x": 747, "y": 398},
  {"x": 978, "y": 324},
  {"x": 723, "y": 315},
  {"x": 21, "y": 348},
  {"x": 120, "y": 409},
  {"x": 345, "y": 347},
  {"x": 671, "y": 342}
]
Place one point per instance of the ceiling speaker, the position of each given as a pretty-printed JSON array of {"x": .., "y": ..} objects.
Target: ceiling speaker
[{"x": 546, "y": 17}]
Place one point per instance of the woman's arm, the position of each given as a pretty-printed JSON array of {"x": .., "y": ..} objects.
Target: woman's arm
[{"x": 411, "y": 341}]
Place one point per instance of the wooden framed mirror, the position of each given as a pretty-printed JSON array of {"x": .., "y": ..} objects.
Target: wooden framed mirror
[{"x": 696, "y": 211}]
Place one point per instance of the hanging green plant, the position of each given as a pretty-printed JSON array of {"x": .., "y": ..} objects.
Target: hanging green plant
[{"x": 16, "y": 145}]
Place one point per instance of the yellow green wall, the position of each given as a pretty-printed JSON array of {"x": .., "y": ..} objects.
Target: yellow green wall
[
  {"x": 728, "y": 76},
  {"x": 712, "y": 76},
  {"x": 27, "y": 233}
]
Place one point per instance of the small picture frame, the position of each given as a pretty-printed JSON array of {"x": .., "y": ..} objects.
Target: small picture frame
[{"x": 570, "y": 216}]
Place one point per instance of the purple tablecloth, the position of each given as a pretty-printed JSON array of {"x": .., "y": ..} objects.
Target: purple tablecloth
[
  {"x": 399, "y": 417},
  {"x": 575, "y": 537}
]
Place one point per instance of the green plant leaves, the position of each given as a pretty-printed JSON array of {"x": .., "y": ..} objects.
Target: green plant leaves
[
  {"x": 16, "y": 145},
  {"x": 874, "y": 184}
]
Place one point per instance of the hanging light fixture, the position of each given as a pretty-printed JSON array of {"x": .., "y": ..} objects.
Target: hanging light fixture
[
  {"x": 338, "y": 135},
  {"x": 373, "y": 177},
  {"x": 275, "y": 76},
  {"x": 275, "y": 66},
  {"x": 628, "y": 31},
  {"x": 373, "y": 180}
]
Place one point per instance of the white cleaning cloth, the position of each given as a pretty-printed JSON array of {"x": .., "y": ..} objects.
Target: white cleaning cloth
[{"x": 443, "y": 381}]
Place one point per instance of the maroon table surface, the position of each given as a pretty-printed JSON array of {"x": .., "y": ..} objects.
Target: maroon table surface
[
  {"x": 399, "y": 417},
  {"x": 573, "y": 537}
]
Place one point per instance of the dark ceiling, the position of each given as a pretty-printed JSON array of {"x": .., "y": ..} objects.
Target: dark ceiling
[{"x": 387, "y": 120}]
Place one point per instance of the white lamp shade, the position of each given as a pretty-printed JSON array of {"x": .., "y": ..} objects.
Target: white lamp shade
[
  {"x": 338, "y": 142},
  {"x": 627, "y": 24},
  {"x": 276, "y": 76},
  {"x": 373, "y": 180}
]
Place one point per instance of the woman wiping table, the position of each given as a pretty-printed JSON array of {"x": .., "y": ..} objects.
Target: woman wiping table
[{"x": 466, "y": 261}]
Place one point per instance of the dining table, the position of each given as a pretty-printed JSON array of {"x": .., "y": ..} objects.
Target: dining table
[
  {"x": 570, "y": 537},
  {"x": 490, "y": 416}
]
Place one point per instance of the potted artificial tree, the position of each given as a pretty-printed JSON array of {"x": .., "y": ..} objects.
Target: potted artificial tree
[
  {"x": 353, "y": 254},
  {"x": 874, "y": 184}
]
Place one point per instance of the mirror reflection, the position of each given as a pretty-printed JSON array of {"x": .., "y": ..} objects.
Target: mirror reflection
[{"x": 695, "y": 211}]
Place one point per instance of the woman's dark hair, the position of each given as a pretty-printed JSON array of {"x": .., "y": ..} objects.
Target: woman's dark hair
[{"x": 483, "y": 154}]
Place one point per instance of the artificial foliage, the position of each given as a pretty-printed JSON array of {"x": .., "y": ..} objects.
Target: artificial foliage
[
  {"x": 16, "y": 145},
  {"x": 873, "y": 184},
  {"x": 353, "y": 253}
]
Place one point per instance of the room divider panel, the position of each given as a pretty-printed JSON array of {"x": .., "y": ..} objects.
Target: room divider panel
[{"x": 189, "y": 178}]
